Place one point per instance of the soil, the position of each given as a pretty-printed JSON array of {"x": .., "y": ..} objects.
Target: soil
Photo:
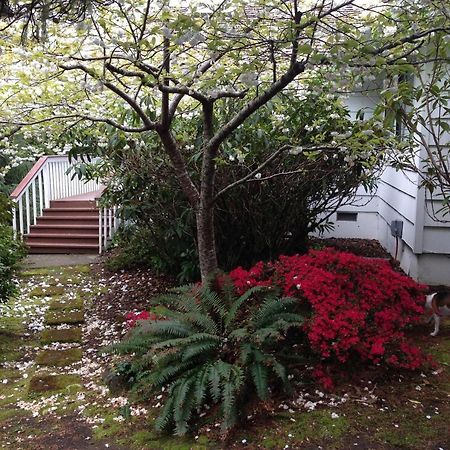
[
  {"x": 383, "y": 410},
  {"x": 397, "y": 397},
  {"x": 369, "y": 248}
]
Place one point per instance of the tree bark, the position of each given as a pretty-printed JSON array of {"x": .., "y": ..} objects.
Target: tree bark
[
  {"x": 206, "y": 241},
  {"x": 205, "y": 215}
]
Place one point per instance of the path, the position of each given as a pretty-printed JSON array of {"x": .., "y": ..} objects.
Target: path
[
  {"x": 44, "y": 368},
  {"x": 41, "y": 261}
]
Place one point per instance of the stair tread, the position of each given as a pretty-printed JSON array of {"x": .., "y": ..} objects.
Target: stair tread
[
  {"x": 61, "y": 245},
  {"x": 62, "y": 236},
  {"x": 70, "y": 208},
  {"x": 67, "y": 217},
  {"x": 55, "y": 225}
]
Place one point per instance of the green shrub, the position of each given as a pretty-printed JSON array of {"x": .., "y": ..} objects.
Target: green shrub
[
  {"x": 159, "y": 248},
  {"x": 267, "y": 215},
  {"x": 11, "y": 252},
  {"x": 5, "y": 210},
  {"x": 214, "y": 349},
  {"x": 13, "y": 177}
]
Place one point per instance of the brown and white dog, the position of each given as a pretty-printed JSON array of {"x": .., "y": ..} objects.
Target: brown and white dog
[{"x": 438, "y": 304}]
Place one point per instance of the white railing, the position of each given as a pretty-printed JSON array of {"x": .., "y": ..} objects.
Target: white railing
[
  {"x": 47, "y": 180},
  {"x": 108, "y": 223}
]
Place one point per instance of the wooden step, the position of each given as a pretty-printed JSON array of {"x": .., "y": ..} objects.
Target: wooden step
[
  {"x": 70, "y": 212},
  {"x": 68, "y": 220},
  {"x": 68, "y": 226},
  {"x": 31, "y": 239},
  {"x": 51, "y": 250},
  {"x": 72, "y": 204},
  {"x": 62, "y": 248},
  {"x": 56, "y": 228}
]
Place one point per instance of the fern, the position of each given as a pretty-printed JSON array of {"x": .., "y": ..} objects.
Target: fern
[
  {"x": 213, "y": 349},
  {"x": 260, "y": 376}
]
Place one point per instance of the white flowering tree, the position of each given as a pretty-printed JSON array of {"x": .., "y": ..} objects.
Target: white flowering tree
[
  {"x": 137, "y": 67},
  {"x": 422, "y": 112}
]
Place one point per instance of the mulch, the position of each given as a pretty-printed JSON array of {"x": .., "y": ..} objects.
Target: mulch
[{"x": 131, "y": 290}]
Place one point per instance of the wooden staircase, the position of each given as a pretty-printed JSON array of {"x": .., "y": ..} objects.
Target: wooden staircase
[
  {"x": 70, "y": 225},
  {"x": 55, "y": 212}
]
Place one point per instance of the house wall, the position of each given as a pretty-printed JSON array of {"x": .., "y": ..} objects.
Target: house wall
[{"x": 424, "y": 248}]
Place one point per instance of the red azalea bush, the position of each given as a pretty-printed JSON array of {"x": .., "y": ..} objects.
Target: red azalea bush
[
  {"x": 359, "y": 307},
  {"x": 132, "y": 317}
]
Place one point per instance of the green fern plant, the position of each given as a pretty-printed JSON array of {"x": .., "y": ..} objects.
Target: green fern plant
[{"x": 214, "y": 349}]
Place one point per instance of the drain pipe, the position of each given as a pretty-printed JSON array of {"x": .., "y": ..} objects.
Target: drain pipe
[{"x": 397, "y": 232}]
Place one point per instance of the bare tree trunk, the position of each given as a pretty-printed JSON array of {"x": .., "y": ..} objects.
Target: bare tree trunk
[
  {"x": 205, "y": 214},
  {"x": 206, "y": 240},
  {"x": 202, "y": 202}
]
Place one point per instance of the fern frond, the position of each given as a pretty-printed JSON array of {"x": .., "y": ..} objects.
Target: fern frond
[
  {"x": 228, "y": 292},
  {"x": 246, "y": 353},
  {"x": 238, "y": 302},
  {"x": 214, "y": 382},
  {"x": 162, "y": 376},
  {"x": 260, "y": 375},
  {"x": 201, "y": 385},
  {"x": 240, "y": 334},
  {"x": 184, "y": 289},
  {"x": 270, "y": 307},
  {"x": 212, "y": 301},
  {"x": 183, "y": 395},
  {"x": 278, "y": 369},
  {"x": 165, "y": 419},
  {"x": 200, "y": 349},
  {"x": 167, "y": 328},
  {"x": 229, "y": 405},
  {"x": 284, "y": 325},
  {"x": 202, "y": 321}
]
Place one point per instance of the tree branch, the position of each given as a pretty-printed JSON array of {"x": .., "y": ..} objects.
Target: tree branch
[
  {"x": 408, "y": 40},
  {"x": 200, "y": 71},
  {"x": 148, "y": 124},
  {"x": 128, "y": 73},
  {"x": 225, "y": 131},
  {"x": 179, "y": 164},
  {"x": 254, "y": 172},
  {"x": 79, "y": 116}
]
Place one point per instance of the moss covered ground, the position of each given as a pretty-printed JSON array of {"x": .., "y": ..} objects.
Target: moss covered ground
[{"x": 52, "y": 393}]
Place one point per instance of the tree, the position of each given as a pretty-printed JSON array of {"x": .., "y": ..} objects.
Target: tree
[
  {"x": 166, "y": 63},
  {"x": 420, "y": 103},
  {"x": 34, "y": 15}
]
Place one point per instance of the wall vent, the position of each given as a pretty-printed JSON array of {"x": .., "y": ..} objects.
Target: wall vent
[{"x": 346, "y": 217}]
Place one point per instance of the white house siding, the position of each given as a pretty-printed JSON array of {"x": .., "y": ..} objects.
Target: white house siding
[{"x": 424, "y": 249}]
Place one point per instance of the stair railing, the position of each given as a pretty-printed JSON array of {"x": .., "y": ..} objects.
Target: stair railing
[
  {"x": 108, "y": 223},
  {"x": 47, "y": 180}
]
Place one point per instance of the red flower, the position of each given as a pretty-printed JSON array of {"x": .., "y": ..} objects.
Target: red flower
[
  {"x": 359, "y": 307},
  {"x": 133, "y": 317}
]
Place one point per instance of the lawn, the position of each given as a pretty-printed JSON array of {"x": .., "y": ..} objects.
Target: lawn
[{"x": 53, "y": 395}]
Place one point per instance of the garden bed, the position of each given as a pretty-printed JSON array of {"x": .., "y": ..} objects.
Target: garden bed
[
  {"x": 370, "y": 248},
  {"x": 370, "y": 408}
]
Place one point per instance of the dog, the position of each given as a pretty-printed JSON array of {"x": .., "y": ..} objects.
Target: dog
[{"x": 438, "y": 304}]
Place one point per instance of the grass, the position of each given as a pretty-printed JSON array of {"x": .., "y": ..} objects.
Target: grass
[
  {"x": 315, "y": 426},
  {"x": 47, "y": 383},
  {"x": 66, "y": 335},
  {"x": 64, "y": 304},
  {"x": 64, "y": 317},
  {"x": 371, "y": 426},
  {"x": 59, "y": 358},
  {"x": 50, "y": 291},
  {"x": 52, "y": 272}
]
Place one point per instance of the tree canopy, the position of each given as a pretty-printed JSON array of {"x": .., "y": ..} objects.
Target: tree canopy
[{"x": 139, "y": 67}]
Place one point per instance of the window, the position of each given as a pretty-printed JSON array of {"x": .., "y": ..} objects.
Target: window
[{"x": 346, "y": 217}]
